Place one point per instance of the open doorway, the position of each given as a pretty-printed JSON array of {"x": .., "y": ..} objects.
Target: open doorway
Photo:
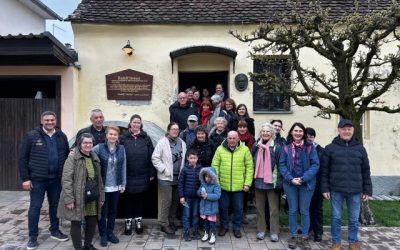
[{"x": 204, "y": 80}]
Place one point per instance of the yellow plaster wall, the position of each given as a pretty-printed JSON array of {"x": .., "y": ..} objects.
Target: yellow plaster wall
[{"x": 99, "y": 48}]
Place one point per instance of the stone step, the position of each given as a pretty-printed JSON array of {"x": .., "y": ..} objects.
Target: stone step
[{"x": 385, "y": 198}]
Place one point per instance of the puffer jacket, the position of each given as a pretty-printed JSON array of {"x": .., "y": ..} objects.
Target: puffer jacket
[
  {"x": 209, "y": 206},
  {"x": 275, "y": 151},
  {"x": 188, "y": 181},
  {"x": 345, "y": 168},
  {"x": 205, "y": 151},
  {"x": 309, "y": 158},
  {"x": 73, "y": 187},
  {"x": 234, "y": 168},
  {"x": 139, "y": 167},
  {"x": 218, "y": 139}
]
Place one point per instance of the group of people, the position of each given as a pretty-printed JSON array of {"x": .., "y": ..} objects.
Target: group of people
[{"x": 206, "y": 169}]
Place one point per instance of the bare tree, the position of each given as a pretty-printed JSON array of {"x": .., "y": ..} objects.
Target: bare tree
[{"x": 361, "y": 71}]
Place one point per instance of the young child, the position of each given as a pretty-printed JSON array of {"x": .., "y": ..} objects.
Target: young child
[
  {"x": 188, "y": 183},
  {"x": 210, "y": 192}
]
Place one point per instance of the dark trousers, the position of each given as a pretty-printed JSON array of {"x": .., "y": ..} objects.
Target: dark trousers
[
  {"x": 236, "y": 198},
  {"x": 53, "y": 189},
  {"x": 316, "y": 213},
  {"x": 76, "y": 234},
  {"x": 210, "y": 226},
  {"x": 108, "y": 214},
  {"x": 134, "y": 203}
]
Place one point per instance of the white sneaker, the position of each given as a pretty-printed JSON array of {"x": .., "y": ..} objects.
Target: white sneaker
[
  {"x": 205, "y": 237},
  {"x": 212, "y": 239}
]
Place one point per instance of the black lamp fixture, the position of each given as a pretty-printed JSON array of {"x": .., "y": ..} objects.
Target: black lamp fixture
[{"x": 128, "y": 49}]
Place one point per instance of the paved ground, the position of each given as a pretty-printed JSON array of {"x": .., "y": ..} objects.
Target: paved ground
[{"x": 13, "y": 233}]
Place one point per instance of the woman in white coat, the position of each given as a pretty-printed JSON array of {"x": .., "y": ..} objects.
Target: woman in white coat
[{"x": 168, "y": 158}]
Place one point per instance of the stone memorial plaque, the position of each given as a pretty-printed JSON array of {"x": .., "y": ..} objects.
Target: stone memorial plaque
[{"x": 129, "y": 85}]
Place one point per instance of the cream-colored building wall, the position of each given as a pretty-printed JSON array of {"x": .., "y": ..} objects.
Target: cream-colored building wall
[
  {"x": 68, "y": 78},
  {"x": 19, "y": 19},
  {"x": 99, "y": 48}
]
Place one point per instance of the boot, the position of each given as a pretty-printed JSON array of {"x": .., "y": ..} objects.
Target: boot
[
  {"x": 128, "y": 226},
  {"x": 186, "y": 236},
  {"x": 306, "y": 243},
  {"x": 354, "y": 246},
  {"x": 212, "y": 238},
  {"x": 138, "y": 225},
  {"x": 205, "y": 237},
  {"x": 335, "y": 246},
  {"x": 292, "y": 242},
  {"x": 167, "y": 229}
]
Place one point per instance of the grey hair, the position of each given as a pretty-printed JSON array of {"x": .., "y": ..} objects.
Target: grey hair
[
  {"x": 270, "y": 127},
  {"x": 221, "y": 119},
  {"x": 47, "y": 113},
  {"x": 82, "y": 137},
  {"x": 95, "y": 111}
]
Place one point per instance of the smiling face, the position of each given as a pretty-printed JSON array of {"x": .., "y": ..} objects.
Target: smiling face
[
  {"x": 277, "y": 126},
  {"x": 228, "y": 105},
  {"x": 97, "y": 119},
  {"x": 242, "y": 111},
  {"x": 297, "y": 134},
  {"x": 218, "y": 89},
  {"x": 136, "y": 123},
  {"x": 346, "y": 132},
  {"x": 192, "y": 159},
  {"x": 266, "y": 134},
  {"x": 242, "y": 130},
  {"x": 201, "y": 136},
  {"x": 220, "y": 125},
  {"x": 86, "y": 145},
  {"x": 49, "y": 122},
  {"x": 112, "y": 136},
  {"x": 232, "y": 138},
  {"x": 173, "y": 132}
]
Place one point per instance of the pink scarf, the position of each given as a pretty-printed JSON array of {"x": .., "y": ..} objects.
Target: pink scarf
[{"x": 263, "y": 164}]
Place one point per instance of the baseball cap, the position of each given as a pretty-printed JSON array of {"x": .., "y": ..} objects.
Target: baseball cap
[
  {"x": 192, "y": 118},
  {"x": 345, "y": 122}
]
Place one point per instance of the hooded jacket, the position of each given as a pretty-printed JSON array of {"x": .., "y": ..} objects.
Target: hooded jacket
[
  {"x": 234, "y": 168},
  {"x": 209, "y": 206},
  {"x": 345, "y": 168}
]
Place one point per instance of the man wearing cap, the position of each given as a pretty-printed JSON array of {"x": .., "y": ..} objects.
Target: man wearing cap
[
  {"x": 188, "y": 135},
  {"x": 345, "y": 175},
  {"x": 180, "y": 111}
]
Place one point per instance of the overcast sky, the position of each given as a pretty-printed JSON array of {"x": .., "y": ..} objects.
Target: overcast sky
[{"x": 61, "y": 30}]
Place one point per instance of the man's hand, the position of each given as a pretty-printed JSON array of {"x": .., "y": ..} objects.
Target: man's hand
[
  {"x": 151, "y": 178},
  {"x": 246, "y": 188},
  {"x": 27, "y": 185},
  {"x": 327, "y": 195},
  {"x": 182, "y": 200},
  {"x": 365, "y": 197},
  {"x": 122, "y": 189}
]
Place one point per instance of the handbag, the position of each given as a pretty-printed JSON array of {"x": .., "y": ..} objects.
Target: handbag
[{"x": 92, "y": 191}]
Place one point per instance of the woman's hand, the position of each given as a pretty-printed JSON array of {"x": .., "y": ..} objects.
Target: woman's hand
[
  {"x": 70, "y": 206},
  {"x": 296, "y": 181}
]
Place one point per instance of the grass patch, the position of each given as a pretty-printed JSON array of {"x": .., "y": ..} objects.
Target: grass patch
[{"x": 386, "y": 214}]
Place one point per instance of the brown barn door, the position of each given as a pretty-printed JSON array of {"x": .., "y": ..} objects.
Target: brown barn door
[{"x": 18, "y": 115}]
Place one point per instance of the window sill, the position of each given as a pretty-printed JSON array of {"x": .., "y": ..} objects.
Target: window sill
[{"x": 273, "y": 112}]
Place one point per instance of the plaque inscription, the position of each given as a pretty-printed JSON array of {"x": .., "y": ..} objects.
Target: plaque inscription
[{"x": 129, "y": 85}]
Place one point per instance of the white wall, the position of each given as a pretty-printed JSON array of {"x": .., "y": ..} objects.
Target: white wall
[{"x": 16, "y": 18}]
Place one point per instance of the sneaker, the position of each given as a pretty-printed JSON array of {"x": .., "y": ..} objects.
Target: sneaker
[
  {"x": 128, "y": 227},
  {"x": 32, "y": 244},
  {"x": 260, "y": 235},
  {"x": 205, "y": 237},
  {"x": 186, "y": 236},
  {"x": 274, "y": 237},
  {"x": 237, "y": 233},
  {"x": 196, "y": 235},
  {"x": 58, "y": 235},
  {"x": 138, "y": 225},
  {"x": 212, "y": 239},
  {"x": 112, "y": 238},
  {"x": 103, "y": 241},
  {"x": 292, "y": 242},
  {"x": 305, "y": 243}
]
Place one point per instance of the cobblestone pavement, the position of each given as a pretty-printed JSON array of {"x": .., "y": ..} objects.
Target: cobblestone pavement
[{"x": 13, "y": 233}]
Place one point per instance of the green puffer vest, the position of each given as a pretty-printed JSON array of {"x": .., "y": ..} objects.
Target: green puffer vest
[{"x": 234, "y": 169}]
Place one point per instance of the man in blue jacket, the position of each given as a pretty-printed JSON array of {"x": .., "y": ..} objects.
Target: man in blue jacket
[
  {"x": 345, "y": 175},
  {"x": 43, "y": 153}
]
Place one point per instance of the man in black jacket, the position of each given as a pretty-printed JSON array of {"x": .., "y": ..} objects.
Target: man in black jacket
[
  {"x": 43, "y": 153},
  {"x": 180, "y": 111},
  {"x": 97, "y": 128},
  {"x": 346, "y": 176}
]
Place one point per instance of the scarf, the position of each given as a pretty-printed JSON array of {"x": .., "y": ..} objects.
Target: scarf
[
  {"x": 247, "y": 139},
  {"x": 263, "y": 164},
  {"x": 204, "y": 117},
  {"x": 300, "y": 147}
]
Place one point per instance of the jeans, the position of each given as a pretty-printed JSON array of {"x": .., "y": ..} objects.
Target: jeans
[
  {"x": 237, "y": 204},
  {"x": 298, "y": 197},
  {"x": 353, "y": 202},
  {"x": 53, "y": 189},
  {"x": 108, "y": 214},
  {"x": 191, "y": 213}
]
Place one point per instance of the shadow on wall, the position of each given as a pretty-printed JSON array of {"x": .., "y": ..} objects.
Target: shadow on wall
[{"x": 153, "y": 130}]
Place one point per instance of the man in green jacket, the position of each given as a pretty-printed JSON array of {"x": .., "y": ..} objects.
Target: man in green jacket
[{"x": 234, "y": 166}]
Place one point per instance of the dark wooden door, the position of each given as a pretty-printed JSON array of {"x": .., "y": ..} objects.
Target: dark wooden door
[{"x": 18, "y": 116}]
